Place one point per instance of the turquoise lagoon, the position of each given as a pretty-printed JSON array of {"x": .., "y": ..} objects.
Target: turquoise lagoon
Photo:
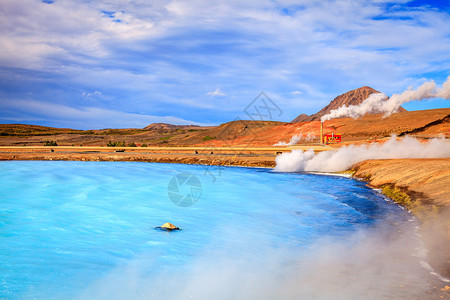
[{"x": 85, "y": 230}]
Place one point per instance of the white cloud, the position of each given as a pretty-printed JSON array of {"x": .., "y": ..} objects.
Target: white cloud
[
  {"x": 297, "y": 93},
  {"x": 168, "y": 50},
  {"x": 325, "y": 33},
  {"x": 91, "y": 95},
  {"x": 82, "y": 117},
  {"x": 217, "y": 93},
  {"x": 32, "y": 32}
]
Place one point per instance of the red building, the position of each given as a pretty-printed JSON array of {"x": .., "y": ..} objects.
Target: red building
[{"x": 332, "y": 138}]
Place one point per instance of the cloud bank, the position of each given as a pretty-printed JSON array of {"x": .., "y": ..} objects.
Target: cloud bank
[
  {"x": 157, "y": 57},
  {"x": 77, "y": 117}
]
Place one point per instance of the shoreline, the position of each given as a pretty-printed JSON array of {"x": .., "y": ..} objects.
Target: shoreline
[
  {"x": 422, "y": 186},
  {"x": 239, "y": 156}
]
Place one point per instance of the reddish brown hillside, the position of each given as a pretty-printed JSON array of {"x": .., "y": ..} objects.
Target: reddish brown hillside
[{"x": 422, "y": 123}]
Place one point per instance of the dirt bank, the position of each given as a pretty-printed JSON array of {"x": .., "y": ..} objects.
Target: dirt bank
[
  {"x": 426, "y": 181},
  {"x": 254, "y": 157},
  {"x": 225, "y": 156},
  {"x": 423, "y": 186}
]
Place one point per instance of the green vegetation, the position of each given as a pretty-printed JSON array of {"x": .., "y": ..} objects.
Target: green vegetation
[
  {"x": 36, "y": 130},
  {"x": 130, "y": 131},
  {"x": 366, "y": 177},
  {"x": 144, "y": 145},
  {"x": 116, "y": 144},
  {"x": 50, "y": 143},
  {"x": 33, "y": 130},
  {"x": 192, "y": 130},
  {"x": 400, "y": 196},
  {"x": 347, "y": 172},
  {"x": 208, "y": 138},
  {"x": 132, "y": 144},
  {"x": 165, "y": 138}
]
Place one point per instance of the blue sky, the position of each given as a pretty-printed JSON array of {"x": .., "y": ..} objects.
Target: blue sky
[{"x": 122, "y": 63}]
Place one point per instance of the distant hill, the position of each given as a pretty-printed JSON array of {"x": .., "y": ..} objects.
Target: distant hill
[
  {"x": 353, "y": 97},
  {"x": 165, "y": 126},
  {"x": 240, "y": 133},
  {"x": 33, "y": 130}
]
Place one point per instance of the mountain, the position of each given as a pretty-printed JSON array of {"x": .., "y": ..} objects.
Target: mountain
[{"x": 353, "y": 97}]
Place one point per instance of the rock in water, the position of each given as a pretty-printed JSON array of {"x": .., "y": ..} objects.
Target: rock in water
[{"x": 168, "y": 227}]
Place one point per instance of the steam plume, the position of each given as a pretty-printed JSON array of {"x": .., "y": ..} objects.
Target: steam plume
[
  {"x": 294, "y": 140},
  {"x": 379, "y": 102},
  {"x": 371, "y": 264},
  {"x": 297, "y": 138},
  {"x": 345, "y": 157}
]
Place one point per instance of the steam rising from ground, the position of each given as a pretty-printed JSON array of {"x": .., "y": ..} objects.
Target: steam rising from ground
[
  {"x": 379, "y": 102},
  {"x": 346, "y": 157},
  {"x": 371, "y": 264},
  {"x": 297, "y": 138}
]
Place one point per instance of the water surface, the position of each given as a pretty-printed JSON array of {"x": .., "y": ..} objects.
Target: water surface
[{"x": 86, "y": 230}]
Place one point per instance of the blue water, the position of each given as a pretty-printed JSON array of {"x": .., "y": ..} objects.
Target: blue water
[{"x": 67, "y": 225}]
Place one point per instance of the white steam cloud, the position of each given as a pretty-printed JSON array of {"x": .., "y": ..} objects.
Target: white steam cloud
[
  {"x": 297, "y": 138},
  {"x": 379, "y": 102},
  {"x": 346, "y": 157},
  {"x": 372, "y": 264},
  {"x": 294, "y": 140}
]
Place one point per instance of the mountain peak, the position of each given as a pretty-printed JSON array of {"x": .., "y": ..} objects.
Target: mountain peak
[{"x": 353, "y": 97}]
